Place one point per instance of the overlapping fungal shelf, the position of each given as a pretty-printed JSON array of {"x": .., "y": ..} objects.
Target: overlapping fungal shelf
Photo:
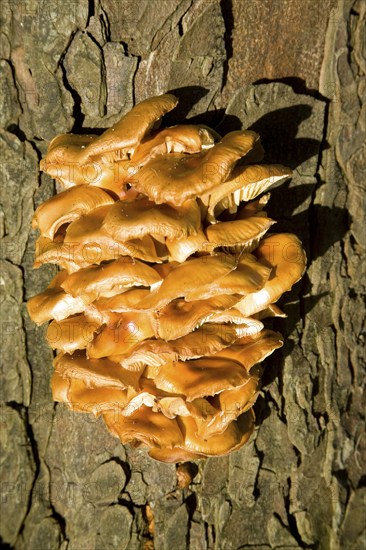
[{"x": 167, "y": 273}]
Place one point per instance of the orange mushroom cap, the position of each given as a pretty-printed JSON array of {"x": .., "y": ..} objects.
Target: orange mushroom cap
[
  {"x": 130, "y": 130},
  {"x": 234, "y": 437},
  {"x": 169, "y": 353},
  {"x": 245, "y": 233},
  {"x": 95, "y": 373},
  {"x": 183, "y": 138},
  {"x": 206, "y": 340},
  {"x": 72, "y": 333},
  {"x": 231, "y": 403},
  {"x": 201, "y": 377},
  {"x": 108, "y": 279},
  {"x": 284, "y": 254},
  {"x": 252, "y": 349},
  {"x": 248, "y": 276},
  {"x": 245, "y": 183},
  {"x": 128, "y": 220},
  {"x": 78, "y": 396},
  {"x": 186, "y": 277},
  {"x": 181, "y": 248},
  {"x": 179, "y": 317},
  {"x": 122, "y": 333},
  {"x": 176, "y": 177},
  {"x": 67, "y": 207},
  {"x": 54, "y": 303},
  {"x": 153, "y": 429}
]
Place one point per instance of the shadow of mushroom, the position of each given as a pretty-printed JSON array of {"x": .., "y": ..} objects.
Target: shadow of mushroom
[
  {"x": 188, "y": 97},
  {"x": 318, "y": 227}
]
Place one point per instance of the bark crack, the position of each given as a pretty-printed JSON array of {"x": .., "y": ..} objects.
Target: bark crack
[{"x": 228, "y": 17}]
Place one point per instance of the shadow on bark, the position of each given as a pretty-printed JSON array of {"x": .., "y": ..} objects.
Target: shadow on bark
[{"x": 279, "y": 130}]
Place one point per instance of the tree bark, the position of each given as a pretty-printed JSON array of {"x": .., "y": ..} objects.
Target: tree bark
[{"x": 294, "y": 70}]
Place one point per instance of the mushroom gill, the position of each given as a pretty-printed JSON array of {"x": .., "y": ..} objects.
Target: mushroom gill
[{"x": 168, "y": 275}]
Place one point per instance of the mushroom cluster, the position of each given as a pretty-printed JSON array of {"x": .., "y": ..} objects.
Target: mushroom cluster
[{"x": 166, "y": 276}]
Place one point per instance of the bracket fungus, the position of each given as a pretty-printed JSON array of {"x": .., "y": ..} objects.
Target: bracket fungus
[{"x": 166, "y": 276}]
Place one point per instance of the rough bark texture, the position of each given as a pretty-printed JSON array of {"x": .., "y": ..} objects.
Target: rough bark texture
[{"x": 295, "y": 71}]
